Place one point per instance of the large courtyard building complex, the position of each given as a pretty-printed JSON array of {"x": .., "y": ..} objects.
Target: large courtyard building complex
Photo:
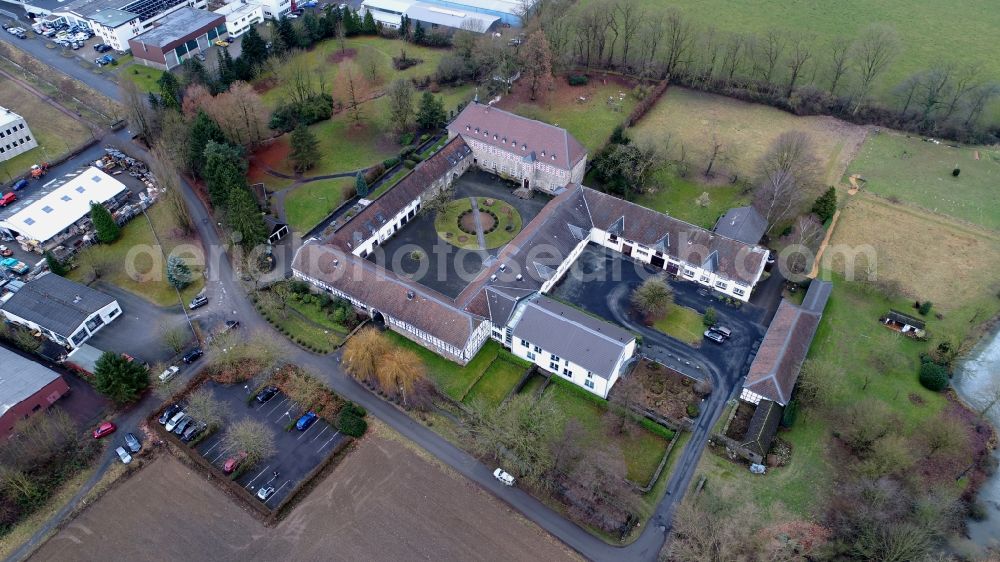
[
  {"x": 502, "y": 294},
  {"x": 15, "y": 136}
]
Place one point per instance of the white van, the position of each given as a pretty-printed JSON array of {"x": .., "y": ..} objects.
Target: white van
[
  {"x": 502, "y": 475},
  {"x": 170, "y": 373}
]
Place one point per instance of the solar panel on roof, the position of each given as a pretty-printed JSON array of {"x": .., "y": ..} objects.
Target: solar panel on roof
[
  {"x": 47, "y": 209},
  {"x": 66, "y": 198},
  {"x": 81, "y": 189},
  {"x": 29, "y": 221}
]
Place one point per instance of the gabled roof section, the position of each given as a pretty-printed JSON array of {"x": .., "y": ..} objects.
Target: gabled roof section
[
  {"x": 21, "y": 378},
  {"x": 502, "y": 301},
  {"x": 56, "y": 303},
  {"x": 775, "y": 369},
  {"x": 763, "y": 426},
  {"x": 382, "y": 290},
  {"x": 518, "y": 135},
  {"x": 369, "y": 220},
  {"x": 733, "y": 259},
  {"x": 588, "y": 341}
]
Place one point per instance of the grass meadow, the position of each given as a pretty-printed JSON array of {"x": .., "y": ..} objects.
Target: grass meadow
[{"x": 912, "y": 170}]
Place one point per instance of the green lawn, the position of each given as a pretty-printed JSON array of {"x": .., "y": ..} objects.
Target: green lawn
[
  {"x": 590, "y": 121},
  {"x": 143, "y": 76},
  {"x": 508, "y": 217},
  {"x": 446, "y": 225},
  {"x": 923, "y": 28},
  {"x": 434, "y": 147},
  {"x": 676, "y": 196},
  {"x": 497, "y": 381},
  {"x": 148, "y": 269},
  {"x": 451, "y": 378},
  {"x": 310, "y": 203},
  {"x": 682, "y": 323},
  {"x": 56, "y": 133},
  {"x": 920, "y": 173},
  {"x": 318, "y": 316},
  {"x": 303, "y": 331},
  {"x": 642, "y": 450}
]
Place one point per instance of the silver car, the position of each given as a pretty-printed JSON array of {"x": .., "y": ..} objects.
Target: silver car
[{"x": 123, "y": 455}]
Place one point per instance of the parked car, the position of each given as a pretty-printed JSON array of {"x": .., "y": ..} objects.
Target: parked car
[
  {"x": 13, "y": 264},
  {"x": 132, "y": 442},
  {"x": 183, "y": 425},
  {"x": 102, "y": 47},
  {"x": 123, "y": 455},
  {"x": 232, "y": 324},
  {"x": 198, "y": 302},
  {"x": 106, "y": 59},
  {"x": 265, "y": 492},
  {"x": 7, "y": 199},
  {"x": 193, "y": 431},
  {"x": 169, "y": 413},
  {"x": 714, "y": 336},
  {"x": 169, "y": 373},
  {"x": 221, "y": 43},
  {"x": 6, "y": 252},
  {"x": 502, "y": 475},
  {"x": 20, "y": 184},
  {"x": 172, "y": 422},
  {"x": 266, "y": 394},
  {"x": 106, "y": 428},
  {"x": 232, "y": 462},
  {"x": 192, "y": 356},
  {"x": 305, "y": 421},
  {"x": 722, "y": 330},
  {"x": 200, "y": 56}
]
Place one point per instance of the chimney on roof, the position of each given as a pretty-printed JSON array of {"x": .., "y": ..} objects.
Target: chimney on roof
[
  {"x": 410, "y": 295},
  {"x": 518, "y": 277},
  {"x": 493, "y": 277},
  {"x": 503, "y": 267}
]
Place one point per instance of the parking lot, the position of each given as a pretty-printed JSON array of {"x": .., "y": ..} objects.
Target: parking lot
[{"x": 297, "y": 452}]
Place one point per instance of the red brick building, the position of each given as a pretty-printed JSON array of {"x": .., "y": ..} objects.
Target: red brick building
[
  {"x": 26, "y": 388},
  {"x": 178, "y": 37}
]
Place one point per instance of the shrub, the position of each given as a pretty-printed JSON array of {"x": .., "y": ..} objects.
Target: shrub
[
  {"x": 826, "y": 205},
  {"x": 925, "y": 307},
  {"x": 406, "y": 139},
  {"x": 577, "y": 80},
  {"x": 410, "y": 164},
  {"x": 933, "y": 376},
  {"x": 710, "y": 316},
  {"x": 955, "y": 172},
  {"x": 355, "y": 409},
  {"x": 693, "y": 409},
  {"x": 351, "y": 424},
  {"x": 790, "y": 413},
  {"x": 374, "y": 173},
  {"x": 390, "y": 162}
]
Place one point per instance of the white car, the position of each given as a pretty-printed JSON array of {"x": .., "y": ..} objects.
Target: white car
[
  {"x": 123, "y": 455},
  {"x": 169, "y": 373},
  {"x": 501, "y": 475},
  {"x": 178, "y": 417},
  {"x": 265, "y": 492}
]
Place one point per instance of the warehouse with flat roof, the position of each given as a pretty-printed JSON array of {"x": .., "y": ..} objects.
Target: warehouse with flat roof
[{"x": 178, "y": 37}]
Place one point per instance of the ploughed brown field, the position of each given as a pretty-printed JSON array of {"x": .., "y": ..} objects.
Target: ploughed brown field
[{"x": 384, "y": 502}]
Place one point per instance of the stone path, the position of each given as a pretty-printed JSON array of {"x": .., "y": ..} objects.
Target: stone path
[{"x": 480, "y": 237}]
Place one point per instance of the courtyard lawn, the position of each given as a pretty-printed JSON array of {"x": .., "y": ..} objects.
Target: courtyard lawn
[
  {"x": 446, "y": 225},
  {"x": 510, "y": 223},
  {"x": 682, "y": 323},
  {"x": 317, "y": 316},
  {"x": 687, "y": 120},
  {"x": 300, "y": 329},
  {"x": 497, "y": 381},
  {"x": 309, "y": 203},
  {"x": 590, "y": 119},
  {"x": 149, "y": 268},
  {"x": 451, "y": 378},
  {"x": 642, "y": 450},
  {"x": 56, "y": 132},
  {"x": 915, "y": 171},
  {"x": 389, "y": 183},
  {"x": 676, "y": 197}
]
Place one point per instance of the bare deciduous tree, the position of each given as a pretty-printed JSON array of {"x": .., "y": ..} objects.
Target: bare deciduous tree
[
  {"x": 251, "y": 437},
  {"x": 871, "y": 53},
  {"x": 800, "y": 52},
  {"x": 141, "y": 117},
  {"x": 363, "y": 352},
  {"x": 204, "y": 407},
  {"x": 772, "y": 49},
  {"x": 785, "y": 175},
  {"x": 630, "y": 15},
  {"x": 678, "y": 37}
]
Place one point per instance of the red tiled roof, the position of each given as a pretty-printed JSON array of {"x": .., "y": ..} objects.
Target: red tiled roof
[
  {"x": 775, "y": 369},
  {"x": 520, "y": 135},
  {"x": 695, "y": 245}
]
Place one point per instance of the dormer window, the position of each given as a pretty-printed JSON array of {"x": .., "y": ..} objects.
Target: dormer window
[
  {"x": 477, "y": 129},
  {"x": 553, "y": 156},
  {"x": 494, "y": 137},
  {"x": 524, "y": 147},
  {"x": 468, "y": 128},
  {"x": 504, "y": 140},
  {"x": 543, "y": 154},
  {"x": 513, "y": 143}
]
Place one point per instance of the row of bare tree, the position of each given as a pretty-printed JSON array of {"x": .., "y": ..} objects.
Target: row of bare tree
[{"x": 790, "y": 69}]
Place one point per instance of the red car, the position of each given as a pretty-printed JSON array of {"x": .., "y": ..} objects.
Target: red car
[
  {"x": 233, "y": 462},
  {"x": 7, "y": 199},
  {"x": 106, "y": 428}
]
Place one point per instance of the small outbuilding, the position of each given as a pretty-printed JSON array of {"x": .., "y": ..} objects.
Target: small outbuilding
[
  {"x": 904, "y": 324},
  {"x": 742, "y": 223}
]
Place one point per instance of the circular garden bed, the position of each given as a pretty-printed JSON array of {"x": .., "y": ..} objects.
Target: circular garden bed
[{"x": 457, "y": 223}]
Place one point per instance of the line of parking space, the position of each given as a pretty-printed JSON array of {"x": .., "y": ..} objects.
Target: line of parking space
[{"x": 297, "y": 452}]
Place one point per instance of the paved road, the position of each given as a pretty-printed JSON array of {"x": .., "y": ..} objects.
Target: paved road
[{"x": 228, "y": 298}]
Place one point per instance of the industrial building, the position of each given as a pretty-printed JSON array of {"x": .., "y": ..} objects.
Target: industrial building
[
  {"x": 434, "y": 15},
  {"x": 26, "y": 388},
  {"x": 178, "y": 37},
  {"x": 15, "y": 136}
]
